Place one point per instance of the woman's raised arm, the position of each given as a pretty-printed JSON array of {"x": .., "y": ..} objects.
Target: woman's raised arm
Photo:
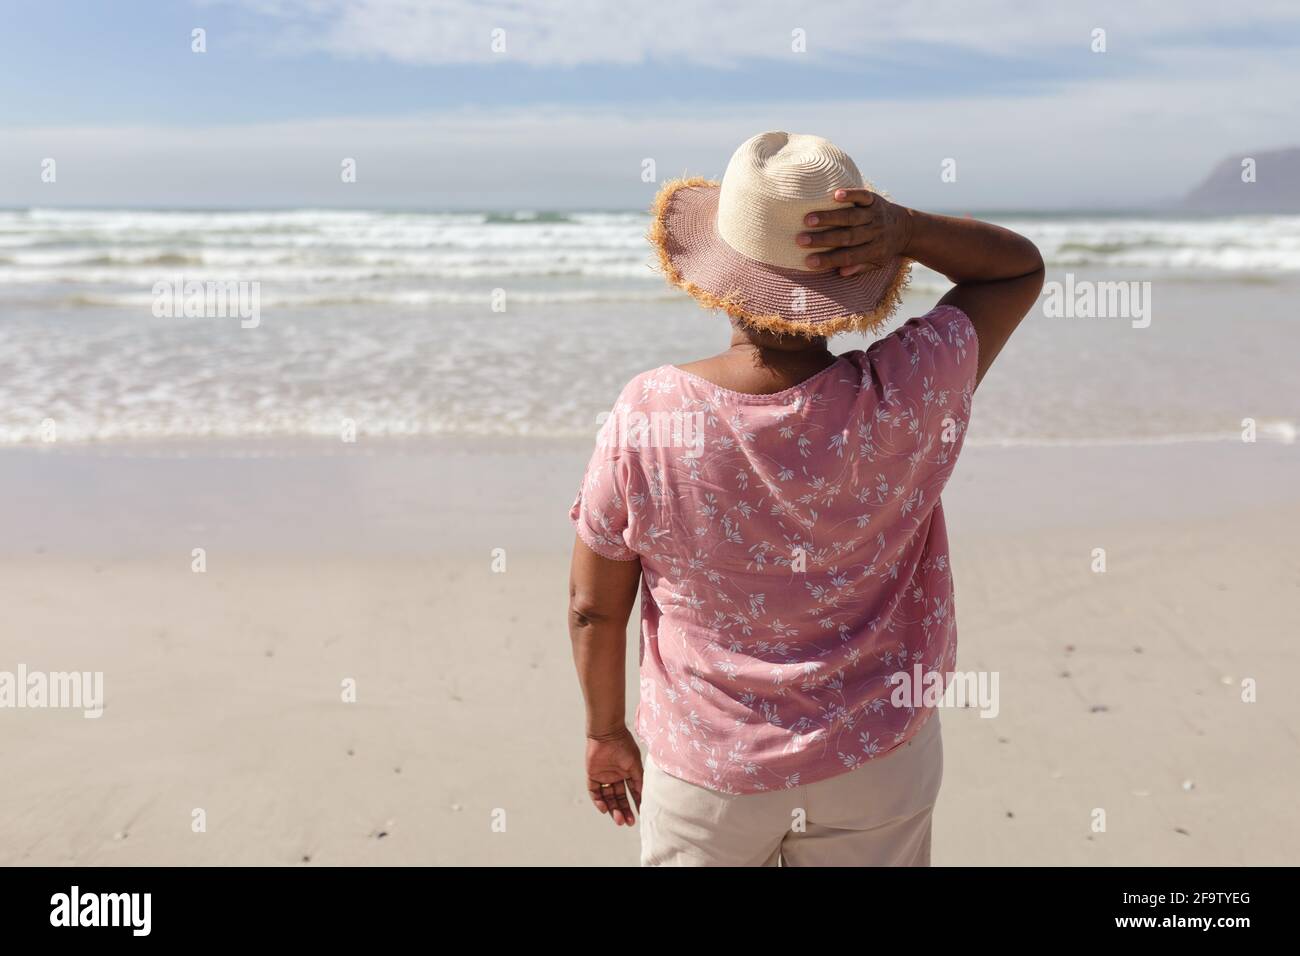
[{"x": 997, "y": 274}]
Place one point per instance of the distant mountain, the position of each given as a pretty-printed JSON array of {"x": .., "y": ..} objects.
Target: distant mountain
[{"x": 1276, "y": 188}]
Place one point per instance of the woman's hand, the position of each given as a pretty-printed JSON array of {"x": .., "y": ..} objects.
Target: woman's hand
[
  {"x": 614, "y": 771},
  {"x": 865, "y": 233},
  {"x": 996, "y": 274},
  {"x": 601, "y": 594}
]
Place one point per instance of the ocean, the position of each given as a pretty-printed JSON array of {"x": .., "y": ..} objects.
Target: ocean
[{"x": 402, "y": 325}]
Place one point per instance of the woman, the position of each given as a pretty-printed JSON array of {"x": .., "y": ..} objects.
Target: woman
[{"x": 779, "y": 506}]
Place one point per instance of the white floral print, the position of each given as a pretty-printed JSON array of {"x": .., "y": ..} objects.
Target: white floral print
[{"x": 795, "y": 562}]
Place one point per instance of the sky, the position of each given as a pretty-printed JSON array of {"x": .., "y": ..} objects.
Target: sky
[{"x": 559, "y": 104}]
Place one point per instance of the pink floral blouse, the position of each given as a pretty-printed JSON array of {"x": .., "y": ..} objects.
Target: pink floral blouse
[{"x": 793, "y": 553}]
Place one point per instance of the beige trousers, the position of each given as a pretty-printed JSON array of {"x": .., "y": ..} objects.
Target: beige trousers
[{"x": 877, "y": 815}]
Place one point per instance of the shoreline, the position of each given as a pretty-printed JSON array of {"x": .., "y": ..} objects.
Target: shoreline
[{"x": 450, "y": 496}]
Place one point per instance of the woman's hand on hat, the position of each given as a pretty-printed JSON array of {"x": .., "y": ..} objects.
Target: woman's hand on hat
[{"x": 865, "y": 232}]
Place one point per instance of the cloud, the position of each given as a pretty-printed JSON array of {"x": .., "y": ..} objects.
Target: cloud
[
  {"x": 727, "y": 32},
  {"x": 1095, "y": 138},
  {"x": 1109, "y": 143}
]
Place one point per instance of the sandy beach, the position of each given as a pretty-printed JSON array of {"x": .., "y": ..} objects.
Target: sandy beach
[{"x": 373, "y": 563}]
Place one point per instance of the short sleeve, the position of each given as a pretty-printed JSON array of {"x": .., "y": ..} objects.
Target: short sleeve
[
  {"x": 924, "y": 376},
  {"x": 600, "y": 512},
  {"x": 932, "y": 359},
  {"x": 944, "y": 344}
]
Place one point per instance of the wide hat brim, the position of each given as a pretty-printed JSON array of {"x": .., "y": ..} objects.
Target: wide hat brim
[{"x": 694, "y": 257}]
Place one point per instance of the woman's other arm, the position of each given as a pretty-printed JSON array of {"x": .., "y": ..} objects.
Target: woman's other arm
[{"x": 601, "y": 595}]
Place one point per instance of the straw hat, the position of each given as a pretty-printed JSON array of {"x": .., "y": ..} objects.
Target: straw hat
[{"x": 732, "y": 245}]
